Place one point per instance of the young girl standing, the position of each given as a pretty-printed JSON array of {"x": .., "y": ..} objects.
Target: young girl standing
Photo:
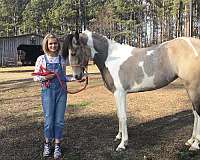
[{"x": 53, "y": 93}]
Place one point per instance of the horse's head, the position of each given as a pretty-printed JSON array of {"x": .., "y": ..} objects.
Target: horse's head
[{"x": 77, "y": 53}]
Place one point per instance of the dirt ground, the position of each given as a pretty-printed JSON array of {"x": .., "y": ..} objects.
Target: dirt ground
[{"x": 159, "y": 122}]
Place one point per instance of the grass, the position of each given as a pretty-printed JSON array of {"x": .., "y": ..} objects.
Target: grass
[
  {"x": 80, "y": 105},
  {"x": 185, "y": 154},
  {"x": 72, "y": 156}
]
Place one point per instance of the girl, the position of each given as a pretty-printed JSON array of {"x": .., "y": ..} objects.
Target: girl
[{"x": 53, "y": 93}]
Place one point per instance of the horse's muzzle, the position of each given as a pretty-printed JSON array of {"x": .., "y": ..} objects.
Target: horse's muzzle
[{"x": 78, "y": 77}]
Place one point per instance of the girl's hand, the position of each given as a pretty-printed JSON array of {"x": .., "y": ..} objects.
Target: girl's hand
[
  {"x": 72, "y": 79},
  {"x": 50, "y": 76}
]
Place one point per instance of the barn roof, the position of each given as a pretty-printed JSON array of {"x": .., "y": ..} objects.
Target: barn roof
[{"x": 22, "y": 35}]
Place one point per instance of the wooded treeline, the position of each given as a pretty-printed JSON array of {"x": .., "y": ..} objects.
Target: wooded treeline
[{"x": 136, "y": 22}]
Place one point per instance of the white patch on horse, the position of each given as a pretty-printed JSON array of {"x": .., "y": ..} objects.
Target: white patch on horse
[
  {"x": 117, "y": 55},
  {"x": 190, "y": 44},
  {"x": 146, "y": 82},
  {"x": 141, "y": 64},
  {"x": 150, "y": 52},
  {"x": 90, "y": 42},
  {"x": 193, "y": 142}
]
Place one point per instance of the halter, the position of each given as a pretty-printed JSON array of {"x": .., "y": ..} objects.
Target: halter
[
  {"x": 84, "y": 67},
  {"x": 80, "y": 81}
]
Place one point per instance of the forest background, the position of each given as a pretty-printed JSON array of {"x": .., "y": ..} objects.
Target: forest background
[{"x": 138, "y": 23}]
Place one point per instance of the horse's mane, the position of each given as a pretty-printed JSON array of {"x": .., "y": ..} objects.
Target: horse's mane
[{"x": 67, "y": 43}]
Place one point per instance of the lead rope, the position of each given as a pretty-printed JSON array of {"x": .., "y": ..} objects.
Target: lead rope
[
  {"x": 43, "y": 72},
  {"x": 80, "y": 81},
  {"x": 84, "y": 67}
]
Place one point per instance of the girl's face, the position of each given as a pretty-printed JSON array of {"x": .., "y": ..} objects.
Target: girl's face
[{"x": 52, "y": 45}]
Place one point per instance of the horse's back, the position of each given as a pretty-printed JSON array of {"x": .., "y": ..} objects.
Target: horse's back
[{"x": 184, "y": 55}]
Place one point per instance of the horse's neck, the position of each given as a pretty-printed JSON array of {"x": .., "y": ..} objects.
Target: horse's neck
[
  {"x": 111, "y": 55},
  {"x": 102, "y": 53},
  {"x": 99, "y": 60},
  {"x": 103, "y": 48},
  {"x": 108, "y": 49}
]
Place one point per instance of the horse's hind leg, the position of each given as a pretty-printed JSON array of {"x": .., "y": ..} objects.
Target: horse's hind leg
[
  {"x": 194, "y": 94},
  {"x": 195, "y": 139},
  {"x": 192, "y": 139}
]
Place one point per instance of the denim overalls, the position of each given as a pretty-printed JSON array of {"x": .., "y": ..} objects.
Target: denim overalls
[{"x": 54, "y": 99}]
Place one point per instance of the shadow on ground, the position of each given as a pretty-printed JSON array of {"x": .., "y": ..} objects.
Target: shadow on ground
[{"x": 91, "y": 138}]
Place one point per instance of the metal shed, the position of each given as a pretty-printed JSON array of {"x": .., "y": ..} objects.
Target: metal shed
[{"x": 11, "y": 46}]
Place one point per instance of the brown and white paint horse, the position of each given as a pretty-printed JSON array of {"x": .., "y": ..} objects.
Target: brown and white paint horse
[{"x": 126, "y": 69}]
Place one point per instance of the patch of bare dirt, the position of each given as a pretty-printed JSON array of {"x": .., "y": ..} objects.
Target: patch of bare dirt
[{"x": 159, "y": 122}]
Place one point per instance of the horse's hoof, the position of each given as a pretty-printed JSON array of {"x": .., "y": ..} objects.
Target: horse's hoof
[
  {"x": 193, "y": 148},
  {"x": 119, "y": 149},
  {"x": 117, "y": 139},
  {"x": 189, "y": 142}
]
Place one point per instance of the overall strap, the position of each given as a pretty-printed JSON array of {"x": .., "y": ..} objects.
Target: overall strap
[
  {"x": 46, "y": 59},
  {"x": 46, "y": 83},
  {"x": 59, "y": 59}
]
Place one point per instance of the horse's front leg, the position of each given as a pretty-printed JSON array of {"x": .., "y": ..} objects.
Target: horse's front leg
[
  {"x": 119, "y": 135},
  {"x": 120, "y": 98}
]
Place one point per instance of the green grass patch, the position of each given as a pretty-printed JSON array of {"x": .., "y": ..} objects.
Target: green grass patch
[
  {"x": 79, "y": 105},
  {"x": 72, "y": 156},
  {"x": 119, "y": 156},
  {"x": 185, "y": 154}
]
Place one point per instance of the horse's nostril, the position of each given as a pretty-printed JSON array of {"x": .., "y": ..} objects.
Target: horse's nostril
[{"x": 76, "y": 76}]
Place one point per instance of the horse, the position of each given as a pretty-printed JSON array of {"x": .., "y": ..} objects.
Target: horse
[{"x": 126, "y": 69}]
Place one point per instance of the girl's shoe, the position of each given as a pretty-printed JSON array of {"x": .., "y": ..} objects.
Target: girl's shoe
[
  {"x": 47, "y": 149},
  {"x": 57, "y": 151}
]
